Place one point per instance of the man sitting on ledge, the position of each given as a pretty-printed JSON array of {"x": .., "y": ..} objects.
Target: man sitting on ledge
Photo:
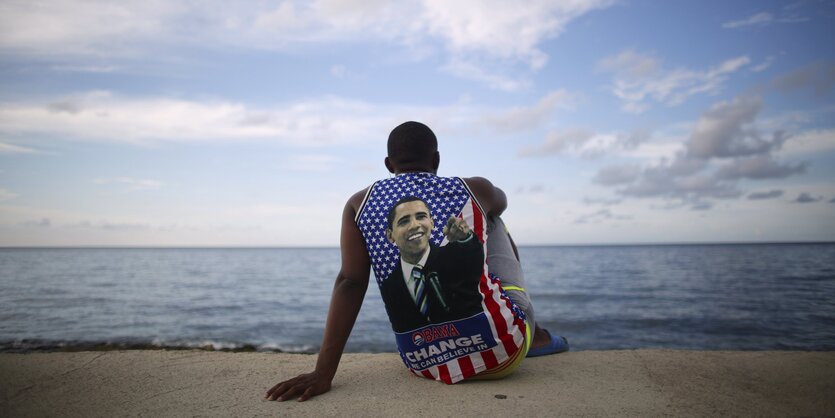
[{"x": 455, "y": 295}]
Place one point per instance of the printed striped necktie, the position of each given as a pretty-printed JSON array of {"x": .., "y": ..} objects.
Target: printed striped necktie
[{"x": 419, "y": 290}]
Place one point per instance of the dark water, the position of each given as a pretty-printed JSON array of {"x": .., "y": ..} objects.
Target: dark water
[{"x": 741, "y": 297}]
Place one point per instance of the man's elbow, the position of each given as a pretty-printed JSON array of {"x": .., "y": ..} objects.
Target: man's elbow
[{"x": 351, "y": 283}]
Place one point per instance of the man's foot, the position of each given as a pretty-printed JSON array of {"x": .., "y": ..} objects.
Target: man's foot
[{"x": 544, "y": 343}]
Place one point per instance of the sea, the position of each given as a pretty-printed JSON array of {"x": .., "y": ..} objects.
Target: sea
[{"x": 696, "y": 297}]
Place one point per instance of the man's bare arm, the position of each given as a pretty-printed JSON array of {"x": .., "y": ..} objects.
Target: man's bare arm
[
  {"x": 492, "y": 200},
  {"x": 346, "y": 300}
]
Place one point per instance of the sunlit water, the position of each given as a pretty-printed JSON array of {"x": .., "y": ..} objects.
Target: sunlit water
[{"x": 741, "y": 297}]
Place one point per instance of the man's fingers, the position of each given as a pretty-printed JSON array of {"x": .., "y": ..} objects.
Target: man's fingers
[
  {"x": 273, "y": 389},
  {"x": 290, "y": 393},
  {"x": 307, "y": 394},
  {"x": 278, "y": 390}
]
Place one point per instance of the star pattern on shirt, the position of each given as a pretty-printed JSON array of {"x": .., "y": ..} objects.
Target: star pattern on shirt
[{"x": 446, "y": 196}]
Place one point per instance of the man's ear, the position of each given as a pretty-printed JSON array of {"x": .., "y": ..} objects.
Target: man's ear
[
  {"x": 436, "y": 162},
  {"x": 389, "y": 165},
  {"x": 389, "y": 236}
]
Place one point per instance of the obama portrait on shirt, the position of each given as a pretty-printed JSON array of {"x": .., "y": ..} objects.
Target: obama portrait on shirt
[{"x": 431, "y": 284}]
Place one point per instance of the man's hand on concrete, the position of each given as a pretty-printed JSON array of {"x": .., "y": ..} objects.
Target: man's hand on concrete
[
  {"x": 304, "y": 386},
  {"x": 456, "y": 229}
]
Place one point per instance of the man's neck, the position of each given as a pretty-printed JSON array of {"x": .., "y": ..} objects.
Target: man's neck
[{"x": 414, "y": 170}]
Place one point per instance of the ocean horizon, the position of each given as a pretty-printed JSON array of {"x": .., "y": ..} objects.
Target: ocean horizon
[{"x": 702, "y": 296}]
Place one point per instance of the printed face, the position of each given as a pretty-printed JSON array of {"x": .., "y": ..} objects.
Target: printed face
[{"x": 411, "y": 229}]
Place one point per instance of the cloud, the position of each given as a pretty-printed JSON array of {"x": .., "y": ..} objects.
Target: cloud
[
  {"x": 525, "y": 118},
  {"x": 807, "y": 198},
  {"x": 41, "y": 223},
  {"x": 601, "y": 201},
  {"x": 307, "y": 123},
  {"x": 113, "y": 226},
  {"x": 817, "y": 76},
  {"x": 100, "y": 69},
  {"x": 600, "y": 216},
  {"x": 758, "y": 168},
  {"x": 15, "y": 149},
  {"x": 810, "y": 142},
  {"x": 763, "y": 65},
  {"x": 104, "y": 116},
  {"x": 533, "y": 189},
  {"x": 132, "y": 183},
  {"x": 472, "y": 35},
  {"x": 724, "y": 147},
  {"x": 725, "y": 131},
  {"x": 640, "y": 79},
  {"x": 502, "y": 29},
  {"x": 765, "y": 195},
  {"x": 617, "y": 174},
  {"x": 762, "y": 19},
  {"x": 557, "y": 142},
  {"x": 312, "y": 162},
  {"x": 6, "y": 195},
  {"x": 469, "y": 70},
  {"x": 679, "y": 180},
  {"x": 584, "y": 143}
]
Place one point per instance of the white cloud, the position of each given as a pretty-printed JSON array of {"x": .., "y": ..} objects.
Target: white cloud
[
  {"x": 599, "y": 216},
  {"x": 763, "y": 19},
  {"x": 639, "y": 79},
  {"x": 810, "y": 142},
  {"x": 85, "y": 68},
  {"x": 771, "y": 194},
  {"x": 763, "y": 65},
  {"x": 523, "y": 118},
  {"x": 585, "y": 143},
  {"x": 14, "y": 149},
  {"x": 725, "y": 146},
  {"x": 466, "y": 69},
  {"x": 132, "y": 183},
  {"x": 476, "y": 37},
  {"x": 312, "y": 162},
  {"x": 6, "y": 195},
  {"x": 508, "y": 30},
  {"x": 108, "y": 117},
  {"x": 726, "y": 130},
  {"x": 77, "y": 26}
]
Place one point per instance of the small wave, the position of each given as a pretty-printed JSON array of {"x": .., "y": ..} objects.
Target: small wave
[{"x": 36, "y": 345}]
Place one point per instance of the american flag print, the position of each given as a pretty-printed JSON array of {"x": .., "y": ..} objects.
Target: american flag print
[{"x": 500, "y": 319}]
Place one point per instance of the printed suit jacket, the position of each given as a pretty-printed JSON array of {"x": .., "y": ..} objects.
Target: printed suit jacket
[{"x": 458, "y": 266}]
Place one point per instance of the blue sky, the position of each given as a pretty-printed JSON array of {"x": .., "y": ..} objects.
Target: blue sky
[{"x": 250, "y": 123}]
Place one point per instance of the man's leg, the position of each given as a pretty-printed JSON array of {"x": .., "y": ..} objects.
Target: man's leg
[{"x": 503, "y": 261}]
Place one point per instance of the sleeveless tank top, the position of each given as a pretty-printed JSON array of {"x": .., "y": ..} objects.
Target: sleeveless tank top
[{"x": 471, "y": 325}]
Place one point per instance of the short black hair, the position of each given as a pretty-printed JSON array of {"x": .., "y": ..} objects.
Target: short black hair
[
  {"x": 405, "y": 199},
  {"x": 412, "y": 142}
]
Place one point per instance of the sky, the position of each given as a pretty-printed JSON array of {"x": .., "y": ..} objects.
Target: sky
[{"x": 250, "y": 123}]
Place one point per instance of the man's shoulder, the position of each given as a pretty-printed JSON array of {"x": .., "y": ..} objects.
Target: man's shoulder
[
  {"x": 478, "y": 184},
  {"x": 355, "y": 201},
  {"x": 492, "y": 199}
]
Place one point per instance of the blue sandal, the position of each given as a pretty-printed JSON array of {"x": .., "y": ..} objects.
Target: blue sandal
[{"x": 557, "y": 345}]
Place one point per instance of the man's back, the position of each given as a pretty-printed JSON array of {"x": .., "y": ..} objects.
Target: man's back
[{"x": 467, "y": 325}]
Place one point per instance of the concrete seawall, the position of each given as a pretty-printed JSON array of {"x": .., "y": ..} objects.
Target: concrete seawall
[{"x": 591, "y": 383}]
